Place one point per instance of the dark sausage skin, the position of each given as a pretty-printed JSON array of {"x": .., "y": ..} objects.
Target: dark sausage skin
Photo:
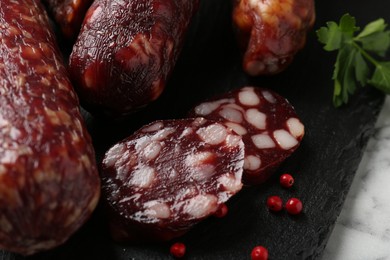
[
  {"x": 126, "y": 50},
  {"x": 68, "y": 14},
  {"x": 49, "y": 183},
  {"x": 168, "y": 176},
  {"x": 271, "y": 32},
  {"x": 267, "y": 122}
]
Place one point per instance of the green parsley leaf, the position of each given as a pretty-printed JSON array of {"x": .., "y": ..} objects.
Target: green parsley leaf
[
  {"x": 362, "y": 71},
  {"x": 350, "y": 85},
  {"x": 337, "y": 98},
  {"x": 378, "y": 43},
  {"x": 347, "y": 72},
  {"x": 330, "y": 36},
  {"x": 373, "y": 27},
  {"x": 351, "y": 68},
  {"x": 381, "y": 77},
  {"x": 348, "y": 25}
]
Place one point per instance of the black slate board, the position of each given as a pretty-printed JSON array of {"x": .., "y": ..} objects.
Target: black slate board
[{"x": 324, "y": 165}]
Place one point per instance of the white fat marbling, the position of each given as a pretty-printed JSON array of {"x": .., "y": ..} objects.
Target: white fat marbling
[{"x": 362, "y": 231}]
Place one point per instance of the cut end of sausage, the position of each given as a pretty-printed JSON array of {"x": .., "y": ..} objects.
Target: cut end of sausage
[
  {"x": 181, "y": 171},
  {"x": 267, "y": 123}
]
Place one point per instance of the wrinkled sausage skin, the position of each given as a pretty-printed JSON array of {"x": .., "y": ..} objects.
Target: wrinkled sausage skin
[
  {"x": 168, "y": 176},
  {"x": 271, "y": 32},
  {"x": 126, "y": 50},
  {"x": 267, "y": 122},
  {"x": 68, "y": 14},
  {"x": 49, "y": 183}
]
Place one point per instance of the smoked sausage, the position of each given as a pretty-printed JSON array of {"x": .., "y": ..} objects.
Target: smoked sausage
[
  {"x": 125, "y": 52},
  {"x": 49, "y": 183},
  {"x": 68, "y": 14},
  {"x": 271, "y": 32}
]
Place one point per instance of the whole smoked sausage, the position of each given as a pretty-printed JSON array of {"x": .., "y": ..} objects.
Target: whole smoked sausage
[
  {"x": 271, "y": 32},
  {"x": 126, "y": 50},
  {"x": 68, "y": 14},
  {"x": 49, "y": 183}
]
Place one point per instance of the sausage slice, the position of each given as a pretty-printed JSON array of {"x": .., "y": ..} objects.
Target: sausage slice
[
  {"x": 268, "y": 124},
  {"x": 168, "y": 176}
]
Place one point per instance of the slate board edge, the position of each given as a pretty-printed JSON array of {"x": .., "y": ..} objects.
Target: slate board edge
[{"x": 353, "y": 165}]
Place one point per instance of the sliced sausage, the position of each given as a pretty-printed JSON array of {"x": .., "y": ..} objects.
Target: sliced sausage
[
  {"x": 49, "y": 183},
  {"x": 268, "y": 124},
  {"x": 68, "y": 14},
  {"x": 126, "y": 51},
  {"x": 170, "y": 175},
  {"x": 271, "y": 32}
]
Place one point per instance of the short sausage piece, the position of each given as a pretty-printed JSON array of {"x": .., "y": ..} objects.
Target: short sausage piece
[
  {"x": 68, "y": 14},
  {"x": 268, "y": 124},
  {"x": 271, "y": 32},
  {"x": 49, "y": 183},
  {"x": 126, "y": 50},
  {"x": 170, "y": 175}
]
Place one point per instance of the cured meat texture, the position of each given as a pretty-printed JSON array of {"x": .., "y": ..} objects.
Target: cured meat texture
[
  {"x": 126, "y": 50},
  {"x": 271, "y": 32},
  {"x": 69, "y": 15},
  {"x": 49, "y": 183},
  {"x": 170, "y": 175},
  {"x": 268, "y": 124}
]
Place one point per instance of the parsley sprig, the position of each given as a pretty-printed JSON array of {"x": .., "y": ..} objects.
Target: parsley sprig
[{"x": 357, "y": 56}]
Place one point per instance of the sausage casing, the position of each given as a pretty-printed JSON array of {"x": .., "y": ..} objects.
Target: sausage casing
[
  {"x": 126, "y": 50},
  {"x": 271, "y": 32},
  {"x": 49, "y": 184}
]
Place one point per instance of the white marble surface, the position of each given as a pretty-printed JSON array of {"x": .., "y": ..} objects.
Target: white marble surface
[{"x": 362, "y": 231}]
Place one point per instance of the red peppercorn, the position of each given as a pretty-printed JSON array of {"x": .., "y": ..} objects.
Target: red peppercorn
[
  {"x": 286, "y": 180},
  {"x": 259, "y": 253},
  {"x": 274, "y": 203},
  {"x": 178, "y": 250},
  {"x": 222, "y": 211},
  {"x": 294, "y": 206}
]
